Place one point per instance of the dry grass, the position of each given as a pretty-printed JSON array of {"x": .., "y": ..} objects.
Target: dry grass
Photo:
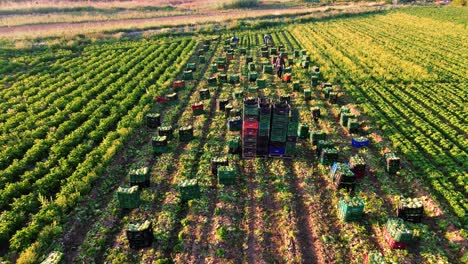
[
  {"x": 213, "y": 16},
  {"x": 16, "y": 20}
]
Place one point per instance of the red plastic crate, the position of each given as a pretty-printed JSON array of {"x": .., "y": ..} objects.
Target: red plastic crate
[
  {"x": 178, "y": 84},
  {"x": 250, "y": 124},
  {"x": 197, "y": 107},
  {"x": 229, "y": 58},
  {"x": 249, "y": 132},
  {"x": 286, "y": 77},
  {"x": 391, "y": 242},
  {"x": 160, "y": 99},
  {"x": 359, "y": 173},
  {"x": 221, "y": 67}
]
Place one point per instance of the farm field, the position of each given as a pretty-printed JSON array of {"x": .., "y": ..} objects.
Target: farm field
[{"x": 74, "y": 124}]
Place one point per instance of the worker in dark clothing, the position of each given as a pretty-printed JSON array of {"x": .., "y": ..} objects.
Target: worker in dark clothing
[
  {"x": 267, "y": 40},
  {"x": 279, "y": 65}
]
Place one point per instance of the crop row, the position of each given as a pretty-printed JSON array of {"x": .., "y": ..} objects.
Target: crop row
[
  {"x": 345, "y": 64},
  {"x": 89, "y": 156}
]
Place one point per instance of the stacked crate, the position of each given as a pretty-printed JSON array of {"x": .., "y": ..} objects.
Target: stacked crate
[
  {"x": 342, "y": 176},
  {"x": 279, "y": 128},
  {"x": 128, "y": 198},
  {"x": 189, "y": 189},
  {"x": 140, "y": 235},
  {"x": 250, "y": 127},
  {"x": 392, "y": 163},
  {"x": 185, "y": 133},
  {"x": 159, "y": 144},
  {"x": 226, "y": 175},
  {"x": 410, "y": 209},
  {"x": 293, "y": 126},
  {"x": 139, "y": 177},
  {"x": 397, "y": 234},
  {"x": 357, "y": 165},
  {"x": 350, "y": 209},
  {"x": 263, "y": 127}
]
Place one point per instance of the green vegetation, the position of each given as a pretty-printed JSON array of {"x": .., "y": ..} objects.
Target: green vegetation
[{"x": 72, "y": 130}]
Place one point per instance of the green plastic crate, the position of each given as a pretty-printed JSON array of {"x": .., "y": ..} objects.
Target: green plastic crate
[
  {"x": 351, "y": 209},
  {"x": 307, "y": 94},
  {"x": 398, "y": 230},
  {"x": 290, "y": 149},
  {"x": 296, "y": 86},
  {"x": 128, "y": 198},
  {"x": 191, "y": 66},
  {"x": 344, "y": 118},
  {"x": 252, "y": 67},
  {"x": 188, "y": 75},
  {"x": 234, "y": 143},
  {"x": 189, "y": 190},
  {"x": 234, "y": 78},
  {"x": 261, "y": 83},
  {"x": 185, "y": 133},
  {"x": 268, "y": 69},
  {"x": 253, "y": 76},
  {"x": 328, "y": 156},
  {"x": 227, "y": 175},
  {"x": 137, "y": 176},
  {"x": 303, "y": 130},
  {"x": 253, "y": 89},
  {"x": 201, "y": 59}
]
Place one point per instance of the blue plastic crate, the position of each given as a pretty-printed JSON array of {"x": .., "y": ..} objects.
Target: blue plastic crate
[
  {"x": 360, "y": 142},
  {"x": 277, "y": 150}
]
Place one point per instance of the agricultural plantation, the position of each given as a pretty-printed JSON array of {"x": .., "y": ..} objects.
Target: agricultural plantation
[{"x": 188, "y": 148}]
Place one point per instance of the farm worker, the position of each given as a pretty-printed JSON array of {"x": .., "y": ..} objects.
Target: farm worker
[
  {"x": 234, "y": 39},
  {"x": 267, "y": 39},
  {"x": 279, "y": 65}
]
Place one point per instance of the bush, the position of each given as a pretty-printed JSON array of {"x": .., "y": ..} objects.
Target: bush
[{"x": 241, "y": 4}]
